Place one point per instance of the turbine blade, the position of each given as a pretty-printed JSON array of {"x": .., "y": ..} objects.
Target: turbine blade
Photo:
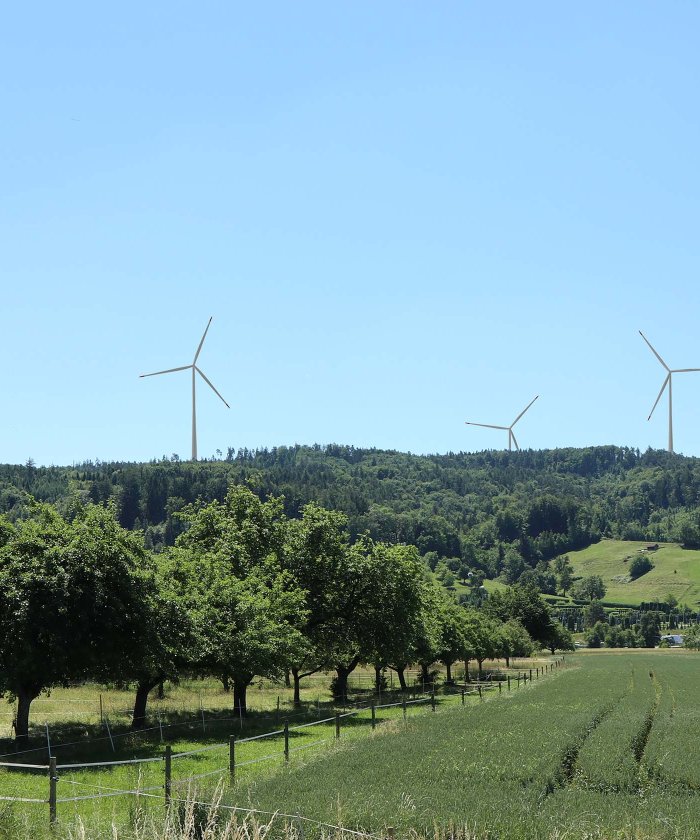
[
  {"x": 486, "y": 425},
  {"x": 655, "y": 353},
  {"x": 663, "y": 387},
  {"x": 212, "y": 387},
  {"x": 171, "y": 370},
  {"x": 686, "y": 370},
  {"x": 522, "y": 412},
  {"x": 514, "y": 440},
  {"x": 199, "y": 349}
]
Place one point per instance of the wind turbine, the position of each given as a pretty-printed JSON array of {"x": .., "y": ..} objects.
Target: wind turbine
[
  {"x": 195, "y": 371},
  {"x": 509, "y": 429},
  {"x": 667, "y": 381}
]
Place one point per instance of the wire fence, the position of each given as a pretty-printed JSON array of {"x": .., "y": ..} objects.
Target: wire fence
[{"x": 165, "y": 789}]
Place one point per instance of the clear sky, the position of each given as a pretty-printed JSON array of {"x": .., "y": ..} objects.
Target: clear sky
[{"x": 402, "y": 215}]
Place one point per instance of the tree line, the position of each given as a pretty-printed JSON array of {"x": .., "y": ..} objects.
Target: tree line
[
  {"x": 245, "y": 590},
  {"x": 507, "y": 514}
]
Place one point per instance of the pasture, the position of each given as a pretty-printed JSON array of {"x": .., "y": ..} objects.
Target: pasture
[
  {"x": 606, "y": 747},
  {"x": 676, "y": 571}
]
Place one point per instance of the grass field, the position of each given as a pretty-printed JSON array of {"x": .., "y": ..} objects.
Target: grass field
[
  {"x": 606, "y": 747},
  {"x": 77, "y": 736},
  {"x": 676, "y": 571}
]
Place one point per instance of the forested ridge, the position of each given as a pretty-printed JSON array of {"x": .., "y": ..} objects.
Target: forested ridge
[{"x": 499, "y": 512}]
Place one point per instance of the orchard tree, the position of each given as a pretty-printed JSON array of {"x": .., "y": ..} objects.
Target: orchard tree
[
  {"x": 251, "y": 609},
  {"x": 75, "y": 597},
  {"x": 514, "y": 640}
]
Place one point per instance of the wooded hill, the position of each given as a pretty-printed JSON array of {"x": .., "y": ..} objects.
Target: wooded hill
[{"x": 494, "y": 512}]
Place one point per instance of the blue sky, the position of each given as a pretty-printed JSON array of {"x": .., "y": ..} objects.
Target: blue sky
[{"x": 401, "y": 216}]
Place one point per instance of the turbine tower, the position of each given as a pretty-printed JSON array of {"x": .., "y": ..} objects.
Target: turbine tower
[
  {"x": 195, "y": 371},
  {"x": 667, "y": 381},
  {"x": 509, "y": 429}
]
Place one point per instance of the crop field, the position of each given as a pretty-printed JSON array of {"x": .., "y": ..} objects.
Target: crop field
[
  {"x": 676, "y": 571},
  {"x": 607, "y": 746}
]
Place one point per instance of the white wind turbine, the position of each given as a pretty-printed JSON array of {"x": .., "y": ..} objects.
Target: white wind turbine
[
  {"x": 667, "y": 381},
  {"x": 509, "y": 429},
  {"x": 195, "y": 371}
]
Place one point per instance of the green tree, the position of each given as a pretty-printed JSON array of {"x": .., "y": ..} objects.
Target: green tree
[
  {"x": 75, "y": 597},
  {"x": 515, "y": 640},
  {"x": 561, "y": 638},
  {"x": 589, "y": 588},
  {"x": 640, "y": 566},
  {"x": 649, "y": 629}
]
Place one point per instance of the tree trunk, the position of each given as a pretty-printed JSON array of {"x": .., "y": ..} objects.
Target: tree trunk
[
  {"x": 425, "y": 673},
  {"x": 340, "y": 691},
  {"x": 401, "y": 674},
  {"x": 481, "y": 662},
  {"x": 226, "y": 682},
  {"x": 377, "y": 679},
  {"x": 287, "y": 683},
  {"x": 466, "y": 670},
  {"x": 297, "y": 689},
  {"x": 143, "y": 688},
  {"x": 161, "y": 690},
  {"x": 448, "y": 666},
  {"x": 240, "y": 690},
  {"x": 507, "y": 661},
  {"x": 25, "y": 695}
]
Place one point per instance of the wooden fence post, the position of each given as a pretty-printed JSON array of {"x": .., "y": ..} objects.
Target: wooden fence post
[
  {"x": 480, "y": 694},
  {"x": 337, "y": 724},
  {"x": 500, "y": 686},
  {"x": 286, "y": 737},
  {"x": 432, "y": 697},
  {"x": 168, "y": 773},
  {"x": 374, "y": 715},
  {"x": 530, "y": 674},
  {"x": 53, "y": 778},
  {"x": 232, "y": 758},
  {"x": 403, "y": 703},
  {"x": 508, "y": 682},
  {"x": 462, "y": 696}
]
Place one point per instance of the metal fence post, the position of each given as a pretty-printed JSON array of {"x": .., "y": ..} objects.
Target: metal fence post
[
  {"x": 232, "y": 758},
  {"x": 286, "y": 739}
]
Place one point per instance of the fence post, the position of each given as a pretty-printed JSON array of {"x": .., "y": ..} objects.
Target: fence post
[
  {"x": 403, "y": 703},
  {"x": 168, "y": 772},
  {"x": 480, "y": 694},
  {"x": 462, "y": 696},
  {"x": 374, "y": 715},
  {"x": 53, "y": 778},
  {"x": 337, "y": 724},
  {"x": 277, "y": 714},
  {"x": 530, "y": 674},
  {"x": 232, "y": 757},
  {"x": 508, "y": 682},
  {"x": 286, "y": 739},
  {"x": 432, "y": 698},
  {"x": 500, "y": 686},
  {"x": 101, "y": 713}
]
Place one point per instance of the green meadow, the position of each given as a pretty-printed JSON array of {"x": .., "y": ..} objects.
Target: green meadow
[
  {"x": 604, "y": 746},
  {"x": 676, "y": 571}
]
